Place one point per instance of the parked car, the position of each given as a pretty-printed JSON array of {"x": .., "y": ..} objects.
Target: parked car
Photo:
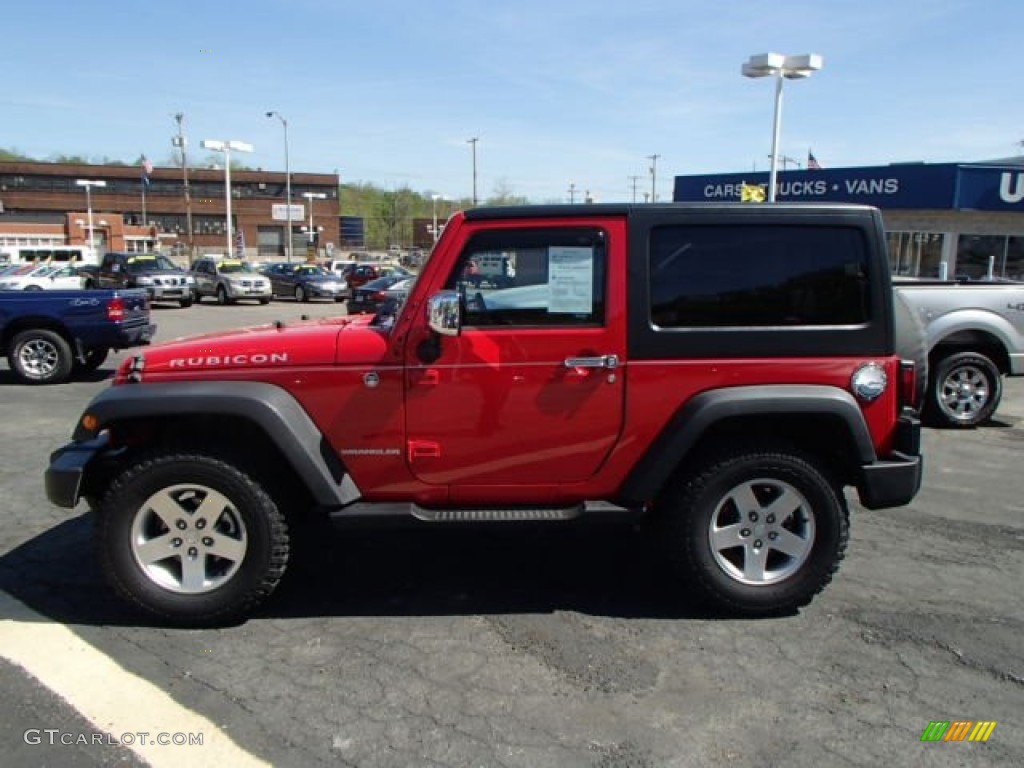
[
  {"x": 304, "y": 282},
  {"x": 360, "y": 274},
  {"x": 51, "y": 277},
  {"x": 50, "y": 335},
  {"x": 229, "y": 280},
  {"x": 974, "y": 336},
  {"x": 371, "y": 296},
  {"x": 162, "y": 279}
]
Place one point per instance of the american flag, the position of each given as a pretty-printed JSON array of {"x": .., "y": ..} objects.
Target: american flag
[
  {"x": 147, "y": 169},
  {"x": 812, "y": 162}
]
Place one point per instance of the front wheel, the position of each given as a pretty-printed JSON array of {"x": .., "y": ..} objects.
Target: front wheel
[
  {"x": 185, "y": 303},
  {"x": 300, "y": 293},
  {"x": 191, "y": 538},
  {"x": 39, "y": 356},
  {"x": 759, "y": 533},
  {"x": 965, "y": 390}
]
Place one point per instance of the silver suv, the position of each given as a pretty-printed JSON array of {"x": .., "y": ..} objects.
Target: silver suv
[{"x": 229, "y": 281}]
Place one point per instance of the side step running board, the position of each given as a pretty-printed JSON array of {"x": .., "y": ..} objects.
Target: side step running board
[{"x": 368, "y": 511}]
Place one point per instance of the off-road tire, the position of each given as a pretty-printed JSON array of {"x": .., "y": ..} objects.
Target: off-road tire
[
  {"x": 689, "y": 505},
  {"x": 186, "y": 303},
  {"x": 39, "y": 356},
  {"x": 168, "y": 472},
  {"x": 947, "y": 407}
]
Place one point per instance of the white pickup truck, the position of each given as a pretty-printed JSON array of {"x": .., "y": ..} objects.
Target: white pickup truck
[{"x": 975, "y": 336}]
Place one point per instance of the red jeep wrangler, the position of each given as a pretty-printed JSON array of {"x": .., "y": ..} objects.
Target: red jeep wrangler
[{"x": 723, "y": 370}]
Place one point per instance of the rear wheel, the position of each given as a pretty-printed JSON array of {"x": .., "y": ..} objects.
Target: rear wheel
[
  {"x": 758, "y": 533},
  {"x": 191, "y": 538},
  {"x": 39, "y": 356},
  {"x": 965, "y": 390}
]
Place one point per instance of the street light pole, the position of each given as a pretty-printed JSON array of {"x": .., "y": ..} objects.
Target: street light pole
[
  {"x": 311, "y": 196},
  {"x": 435, "y": 198},
  {"x": 473, "y": 141},
  {"x": 287, "y": 182},
  {"x": 89, "y": 184},
  {"x": 226, "y": 147},
  {"x": 780, "y": 67}
]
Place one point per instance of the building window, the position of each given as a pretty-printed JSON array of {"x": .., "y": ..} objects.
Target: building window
[
  {"x": 918, "y": 254},
  {"x": 981, "y": 256}
]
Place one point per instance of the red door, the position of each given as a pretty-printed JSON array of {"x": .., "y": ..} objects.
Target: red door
[{"x": 531, "y": 393}]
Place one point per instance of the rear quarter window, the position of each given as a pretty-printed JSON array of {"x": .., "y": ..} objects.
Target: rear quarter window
[{"x": 750, "y": 276}]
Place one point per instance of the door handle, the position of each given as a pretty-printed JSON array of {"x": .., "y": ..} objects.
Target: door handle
[{"x": 600, "y": 361}]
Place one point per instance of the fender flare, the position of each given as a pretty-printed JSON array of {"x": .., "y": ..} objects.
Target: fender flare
[
  {"x": 268, "y": 406},
  {"x": 693, "y": 420}
]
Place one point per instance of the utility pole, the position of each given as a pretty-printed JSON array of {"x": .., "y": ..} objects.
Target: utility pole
[
  {"x": 633, "y": 180},
  {"x": 654, "y": 177},
  {"x": 473, "y": 141},
  {"x": 572, "y": 193},
  {"x": 180, "y": 142}
]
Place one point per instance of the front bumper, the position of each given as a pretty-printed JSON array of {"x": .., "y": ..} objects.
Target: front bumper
[
  {"x": 169, "y": 292},
  {"x": 247, "y": 292},
  {"x": 895, "y": 480},
  {"x": 323, "y": 292},
  {"x": 65, "y": 475}
]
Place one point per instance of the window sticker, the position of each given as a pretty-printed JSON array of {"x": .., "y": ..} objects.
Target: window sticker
[{"x": 571, "y": 277}]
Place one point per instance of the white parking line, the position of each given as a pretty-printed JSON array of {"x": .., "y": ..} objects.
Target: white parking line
[{"x": 111, "y": 698}]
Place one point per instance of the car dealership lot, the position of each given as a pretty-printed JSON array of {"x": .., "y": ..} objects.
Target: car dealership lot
[{"x": 560, "y": 646}]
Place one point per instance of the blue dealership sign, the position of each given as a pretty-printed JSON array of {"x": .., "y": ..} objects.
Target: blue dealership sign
[
  {"x": 991, "y": 188},
  {"x": 943, "y": 186}
]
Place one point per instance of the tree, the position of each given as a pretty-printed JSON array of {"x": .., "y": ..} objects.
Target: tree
[
  {"x": 503, "y": 195},
  {"x": 12, "y": 155}
]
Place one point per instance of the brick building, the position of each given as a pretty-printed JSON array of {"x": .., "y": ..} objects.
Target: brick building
[{"x": 42, "y": 204}]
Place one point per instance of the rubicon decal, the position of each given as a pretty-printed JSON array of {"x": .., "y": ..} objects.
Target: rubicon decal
[
  {"x": 958, "y": 730},
  {"x": 227, "y": 361}
]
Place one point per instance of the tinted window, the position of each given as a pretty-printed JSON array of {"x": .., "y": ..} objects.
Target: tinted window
[
  {"x": 749, "y": 276},
  {"x": 538, "y": 277}
]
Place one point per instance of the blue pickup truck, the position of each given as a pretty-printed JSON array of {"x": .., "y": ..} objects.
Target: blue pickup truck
[{"x": 49, "y": 335}]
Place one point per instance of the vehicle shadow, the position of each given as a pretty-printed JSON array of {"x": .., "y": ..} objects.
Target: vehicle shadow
[
  {"x": 606, "y": 570},
  {"x": 106, "y": 371}
]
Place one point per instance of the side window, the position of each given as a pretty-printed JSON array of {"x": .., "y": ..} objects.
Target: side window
[
  {"x": 553, "y": 276},
  {"x": 757, "y": 276}
]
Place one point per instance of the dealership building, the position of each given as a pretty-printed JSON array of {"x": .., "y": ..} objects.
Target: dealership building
[
  {"x": 941, "y": 220},
  {"x": 46, "y": 204}
]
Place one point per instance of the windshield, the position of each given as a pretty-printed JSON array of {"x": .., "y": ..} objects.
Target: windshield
[
  {"x": 150, "y": 264},
  {"x": 312, "y": 271}
]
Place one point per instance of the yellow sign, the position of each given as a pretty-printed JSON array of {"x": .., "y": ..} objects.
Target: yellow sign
[{"x": 752, "y": 193}]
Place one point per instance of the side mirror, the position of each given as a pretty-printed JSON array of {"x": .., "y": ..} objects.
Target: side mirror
[{"x": 443, "y": 313}]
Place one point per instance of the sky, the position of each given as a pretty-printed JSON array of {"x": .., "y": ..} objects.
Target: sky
[{"x": 562, "y": 95}]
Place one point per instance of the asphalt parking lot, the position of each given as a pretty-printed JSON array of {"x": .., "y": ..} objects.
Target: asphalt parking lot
[{"x": 554, "y": 646}]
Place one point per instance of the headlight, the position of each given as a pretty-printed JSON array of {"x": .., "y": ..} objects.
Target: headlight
[
  {"x": 189, "y": 280},
  {"x": 144, "y": 280}
]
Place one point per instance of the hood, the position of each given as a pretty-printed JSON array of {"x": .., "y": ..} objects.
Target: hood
[{"x": 323, "y": 342}]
